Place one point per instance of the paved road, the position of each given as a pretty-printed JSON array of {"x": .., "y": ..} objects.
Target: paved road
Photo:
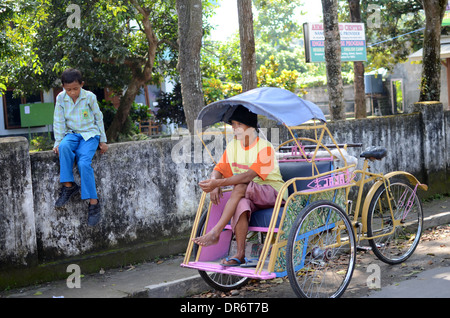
[{"x": 425, "y": 274}]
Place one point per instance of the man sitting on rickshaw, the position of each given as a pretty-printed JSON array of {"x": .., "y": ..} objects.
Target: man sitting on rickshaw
[{"x": 249, "y": 165}]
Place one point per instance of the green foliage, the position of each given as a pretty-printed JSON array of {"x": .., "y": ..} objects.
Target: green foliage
[
  {"x": 269, "y": 75},
  {"x": 41, "y": 143},
  {"x": 138, "y": 112},
  {"x": 275, "y": 24},
  {"x": 214, "y": 89},
  {"x": 389, "y": 21},
  {"x": 171, "y": 107}
]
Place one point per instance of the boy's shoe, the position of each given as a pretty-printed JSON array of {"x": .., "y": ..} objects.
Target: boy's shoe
[
  {"x": 94, "y": 214},
  {"x": 65, "y": 194}
]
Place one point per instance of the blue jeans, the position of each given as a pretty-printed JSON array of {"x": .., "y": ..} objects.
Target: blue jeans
[{"x": 74, "y": 147}]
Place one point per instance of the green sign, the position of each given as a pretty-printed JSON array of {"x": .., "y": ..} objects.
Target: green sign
[
  {"x": 446, "y": 19},
  {"x": 353, "y": 42},
  {"x": 37, "y": 114}
]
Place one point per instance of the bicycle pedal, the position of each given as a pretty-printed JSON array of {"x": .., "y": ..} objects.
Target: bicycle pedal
[{"x": 363, "y": 248}]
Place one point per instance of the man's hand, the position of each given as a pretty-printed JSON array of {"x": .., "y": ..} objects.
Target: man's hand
[
  {"x": 208, "y": 185},
  {"x": 215, "y": 195},
  {"x": 103, "y": 147},
  {"x": 56, "y": 150}
]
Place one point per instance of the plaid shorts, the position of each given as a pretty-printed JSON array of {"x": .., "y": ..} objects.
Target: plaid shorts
[{"x": 257, "y": 197}]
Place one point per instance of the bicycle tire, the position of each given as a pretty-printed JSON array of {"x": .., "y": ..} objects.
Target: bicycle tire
[
  {"x": 324, "y": 269},
  {"x": 218, "y": 281},
  {"x": 399, "y": 246}
]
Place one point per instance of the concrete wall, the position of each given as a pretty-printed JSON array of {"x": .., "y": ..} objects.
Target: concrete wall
[
  {"x": 146, "y": 197},
  {"x": 150, "y": 194}
]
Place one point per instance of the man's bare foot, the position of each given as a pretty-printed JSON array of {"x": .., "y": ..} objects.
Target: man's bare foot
[
  {"x": 208, "y": 239},
  {"x": 233, "y": 261}
]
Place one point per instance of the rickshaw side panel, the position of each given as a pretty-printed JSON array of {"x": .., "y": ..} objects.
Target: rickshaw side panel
[
  {"x": 277, "y": 263},
  {"x": 220, "y": 250}
]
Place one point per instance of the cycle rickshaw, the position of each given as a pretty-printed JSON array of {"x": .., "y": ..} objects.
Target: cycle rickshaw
[{"x": 313, "y": 236}]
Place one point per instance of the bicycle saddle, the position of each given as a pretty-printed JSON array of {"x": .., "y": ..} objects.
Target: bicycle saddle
[{"x": 373, "y": 153}]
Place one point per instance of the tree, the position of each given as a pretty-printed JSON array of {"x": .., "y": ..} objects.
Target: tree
[
  {"x": 190, "y": 41},
  {"x": 391, "y": 31},
  {"x": 247, "y": 41},
  {"x": 358, "y": 66},
  {"x": 117, "y": 44},
  {"x": 19, "y": 61},
  {"x": 149, "y": 15},
  {"x": 275, "y": 24},
  {"x": 333, "y": 59},
  {"x": 430, "y": 86}
]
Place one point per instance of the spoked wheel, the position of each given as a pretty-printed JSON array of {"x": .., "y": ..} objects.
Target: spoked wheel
[
  {"x": 321, "y": 251},
  {"x": 218, "y": 281},
  {"x": 397, "y": 234}
]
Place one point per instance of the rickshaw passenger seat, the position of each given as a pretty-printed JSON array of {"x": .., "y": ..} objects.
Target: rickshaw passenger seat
[{"x": 289, "y": 170}]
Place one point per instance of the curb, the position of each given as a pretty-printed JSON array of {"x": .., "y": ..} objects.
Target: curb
[
  {"x": 176, "y": 289},
  {"x": 436, "y": 219}
]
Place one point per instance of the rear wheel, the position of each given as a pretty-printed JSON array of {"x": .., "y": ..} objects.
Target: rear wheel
[
  {"x": 321, "y": 251},
  {"x": 218, "y": 281},
  {"x": 398, "y": 232}
]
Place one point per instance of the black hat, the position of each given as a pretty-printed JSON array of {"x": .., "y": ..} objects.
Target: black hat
[{"x": 244, "y": 116}]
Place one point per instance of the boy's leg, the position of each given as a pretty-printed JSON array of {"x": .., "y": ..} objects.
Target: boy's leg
[
  {"x": 66, "y": 159},
  {"x": 84, "y": 154},
  {"x": 212, "y": 237},
  {"x": 67, "y": 149}
]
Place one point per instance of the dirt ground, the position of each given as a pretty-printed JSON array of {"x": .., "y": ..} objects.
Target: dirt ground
[{"x": 433, "y": 251}]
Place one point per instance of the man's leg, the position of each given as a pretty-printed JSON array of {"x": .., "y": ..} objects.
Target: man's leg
[
  {"x": 212, "y": 237},
  {"x": 260, "y": 197},
  {"x": 240, "y": 234}
]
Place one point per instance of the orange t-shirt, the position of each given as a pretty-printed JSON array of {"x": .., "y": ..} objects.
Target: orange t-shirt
[{"x": 259, "y": 157}]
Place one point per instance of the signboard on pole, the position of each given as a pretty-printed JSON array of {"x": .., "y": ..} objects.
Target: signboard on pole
[
  {"x": 353, "y": 42},
  {"x": 37, "y": 114}
]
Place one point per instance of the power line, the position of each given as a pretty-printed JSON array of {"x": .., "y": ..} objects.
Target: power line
[{"x": 374, "y": 44}]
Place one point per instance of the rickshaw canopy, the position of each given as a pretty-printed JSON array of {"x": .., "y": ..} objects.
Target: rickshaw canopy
[{"x": 275, "y": 103}]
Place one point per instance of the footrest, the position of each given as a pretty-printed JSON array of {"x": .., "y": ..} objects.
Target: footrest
[{"x": 235, "y": 271}]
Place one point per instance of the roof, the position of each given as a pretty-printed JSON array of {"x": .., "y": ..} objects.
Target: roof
[
  {"x": 445, "y": 51},
  {"x": 274, "y": 103}
]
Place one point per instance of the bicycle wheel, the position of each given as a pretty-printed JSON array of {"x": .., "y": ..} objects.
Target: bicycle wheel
[
  {"x": 218, "y": 281},
  {"x": 321, "y": 251},
  {"x": 402, "y": 228}
]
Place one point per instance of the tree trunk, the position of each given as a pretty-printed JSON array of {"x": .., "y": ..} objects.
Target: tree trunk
[
  {"x": 190, "y": 42},
  {"x": 126, "y": 101},
  {"x": 142, "y": 74},
  {"x": 430, "y": 86},
  {"x": 333, "y": 59},
  {"x": 247, "y": 41},
  {"x": 358, "y": 67}
]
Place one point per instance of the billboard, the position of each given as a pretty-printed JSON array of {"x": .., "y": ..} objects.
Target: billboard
[{"x": 353, "y": 42}]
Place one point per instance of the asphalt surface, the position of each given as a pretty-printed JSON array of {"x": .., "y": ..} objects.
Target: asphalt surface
[{"x": 426, "y": 274}]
